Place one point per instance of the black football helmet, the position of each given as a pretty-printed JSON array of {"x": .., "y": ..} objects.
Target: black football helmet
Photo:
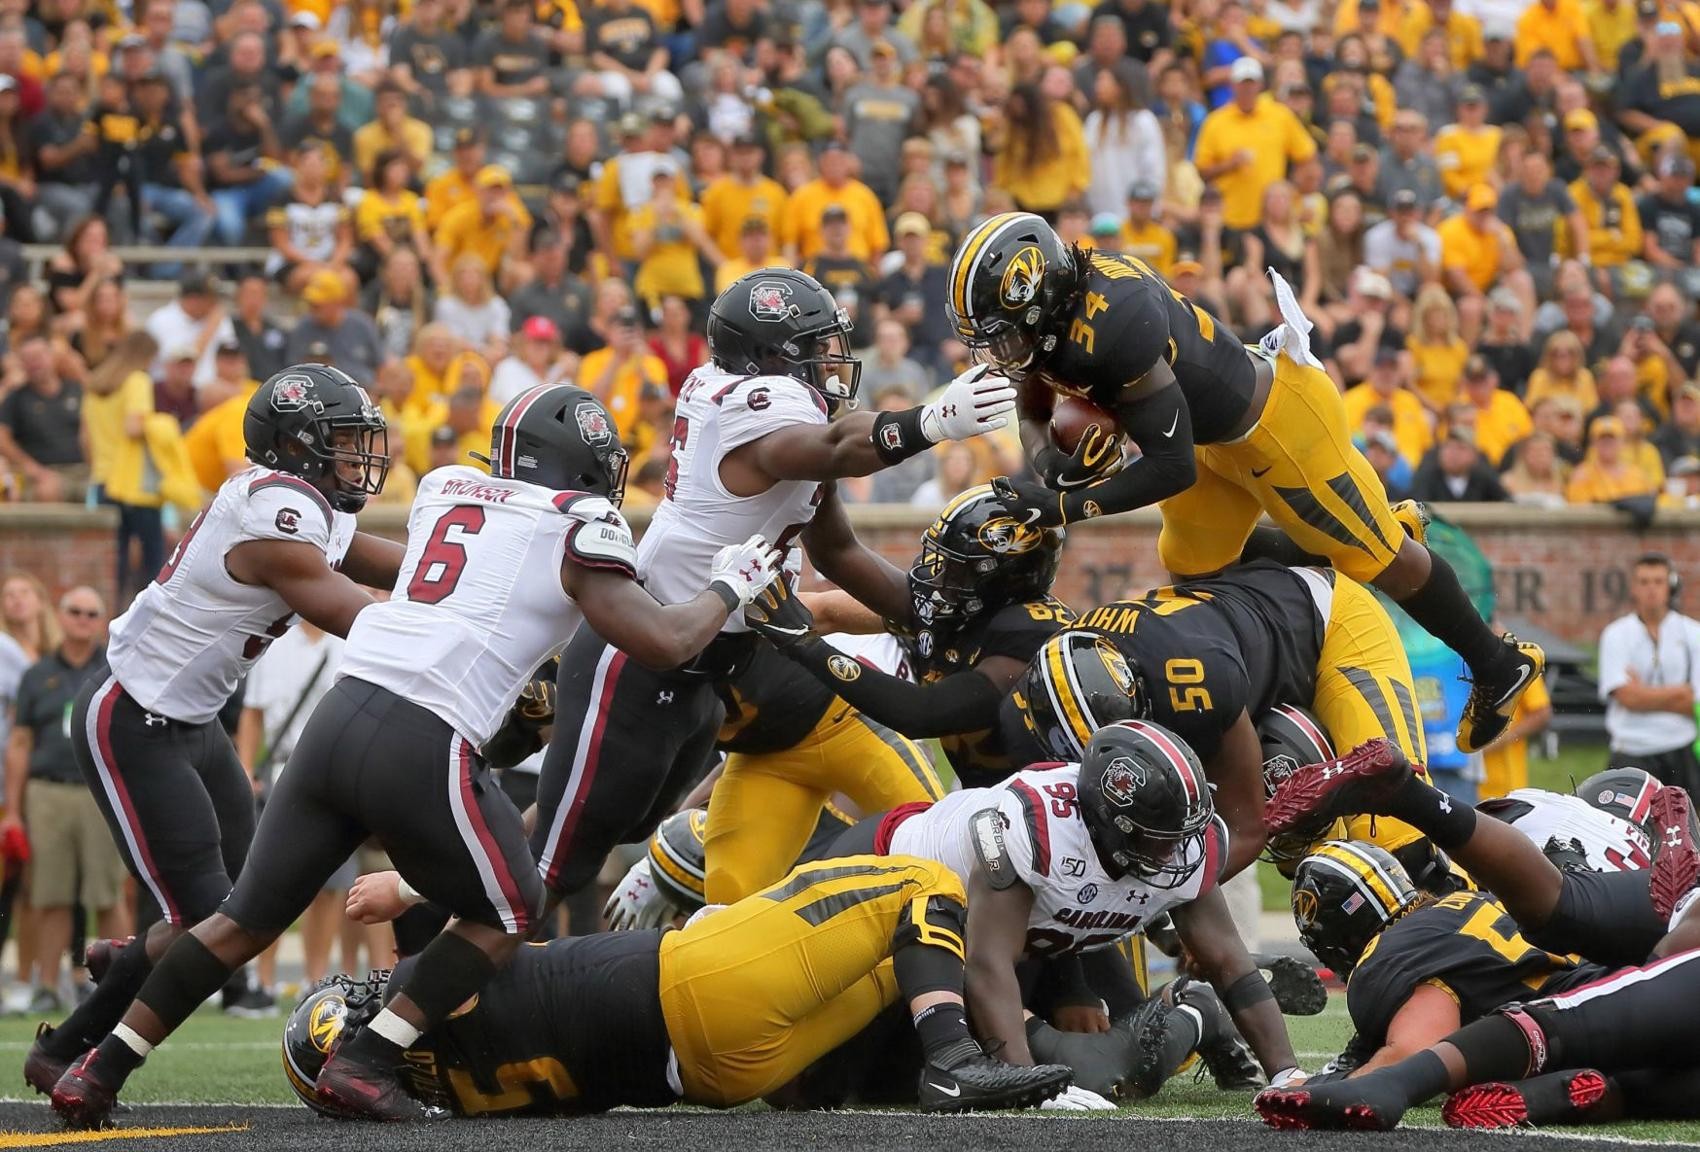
[
  {"x": 330, "y": 1009},
  {"x": 1292, "y": 738},
  {"x": 780, "y": 322},
  {"x": 1344, "y": 894},
  {"x": 1145, "y": 802},
  {"x": 975, "y": 558},
  {"x": 318, "y": 423},
  {"x": 1626, "y": 793},
  {"x": 1076, "y": 684},
  {"x": 1009, "y": 285},
  {"x": 677, "y": 859},
  {"x": 560, "y": 437}
]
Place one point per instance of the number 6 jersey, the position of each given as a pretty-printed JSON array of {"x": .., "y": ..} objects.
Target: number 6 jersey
[
  {"x": 1077, "y": 905},
  {"x": 478, "y": 602}
]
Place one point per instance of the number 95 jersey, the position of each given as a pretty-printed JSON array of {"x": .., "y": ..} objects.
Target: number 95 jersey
[
  {"x": 1077, "y": 905},
  {"x": 717, "y": 413}
]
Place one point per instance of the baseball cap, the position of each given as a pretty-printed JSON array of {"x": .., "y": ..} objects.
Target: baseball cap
[
  {"x": 197, "y": 284},
  {"x": 467, "y": 137},
  {"x": 1362, "y": 153},
  {"x": 1676, "y": 164},
  {"x": 1373, "y": 284},
  {"x": 1246, "y": 68},
  {"x": 1186, "y": 264},
  {"x": 833, "y": 214},
  {"x": 492, "y": 176},
  {"x": 319, "y": 350},
  {"x": 1461, "y": 433},
  {"x": 180, "y": 352},
  {"x": 755, "y": 223},
  {"x": 1481, "y": 198},
  {"x": 1684, "y": 466},
  {"x": 1605, "y": 426},
  {"x": 1105, "y": 224},
  {"x": 324, "y": 49},
  {"x": 1405, "y": 198},
  {"x": 1142, "y": 190},
  {"x": 229, "y": 348},
  {"x": 1385, "y": 440},
  {"x": 631, "y": 124},
  {"x": 443, "y": 434},
  {"x": 540, "y": 328},
  {"x": 1578, "y": 119},
  {"x": 1647, "y": 9},
  {"x": 132, "y": 40},
  {"x": 1472, "y": 94},
  {"x": 308, "y": 20},
  {"x": 883, "y": 48},
  {"x": 324, "y": 287},
  {"x": 1477, "y": 368},
  {"x": 1505, "y": 299},
  {"x": 1385, "y": 356},
  {"x": 913, "y": 224},
  {"x": 1601, "y": 154}
]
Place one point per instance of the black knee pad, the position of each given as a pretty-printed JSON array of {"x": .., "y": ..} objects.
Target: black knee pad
[
  {"x": 185, "y": 976},
  {"x": 936, "y": 965},
  {"x": 449, "y": 971}
]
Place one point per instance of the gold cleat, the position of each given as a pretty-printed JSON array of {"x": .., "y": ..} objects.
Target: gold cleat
[{"x": 1491, "y": 702}]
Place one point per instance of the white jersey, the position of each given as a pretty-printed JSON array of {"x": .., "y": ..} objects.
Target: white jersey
[
  {"x": 1609, "y": 843},
  {"x": 718, "y": 412},
  {"x": 478, "y": 603},
  {"x": 1077, "y": 905},
  {"x": 193, "y": 633}
]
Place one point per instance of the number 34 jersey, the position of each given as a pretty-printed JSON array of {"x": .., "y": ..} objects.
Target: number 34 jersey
[
  {"x": 196, "y": 630},
  {"x": 717, "y": 413},
  {"x": 478, "y": 603},
  {"x": 1077, "y": 905}
]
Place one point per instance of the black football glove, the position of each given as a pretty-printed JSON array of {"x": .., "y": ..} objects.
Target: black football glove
[
  {"x": 779, "y": 615},
  {"x": 1098, "y": 454},
  {"x": 1029, "y": 503}
]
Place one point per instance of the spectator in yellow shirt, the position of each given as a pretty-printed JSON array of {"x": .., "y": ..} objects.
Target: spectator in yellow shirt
[
  {"x": 1561, "y": 28},
  {"x": 1042, "y": 160},
  {"x": 1437, "y": 352},
  {"x": 393, "y": 130},
  {"x": 492, "y": 226},
  {"x": 215, "y": 442},
  {"x": 669, "y": 241},
  {"x": 622, "y": 373},
  {"x": 389, "y": 216},
  {"x": 731, "y": 200},
  {"x": 1143, "y": 236},
  {"x": 755, "y": 250},
  {"x": 1608, "y": 209},
  {"x": 869, "y": 237},
  {"x": 1611, "y": 25},
  {"x": 1501, "y": 419},
  {"x": 1606, "y": 473},
  {"x": 455, "y": 186},
  {"x": 1478, "y": 251},
  {"x": 1385, "y": 388},
  {"x": 471, "y": 415},
  {"x": 1561, "y": 372},
  {"x": 1505, "y": 763},
  {"x": 1466, "y": 152},
  {"x": 1247, "y": 144},
  {"x": 436, "y": 364},
  {"x": 1463, "y": 33}
]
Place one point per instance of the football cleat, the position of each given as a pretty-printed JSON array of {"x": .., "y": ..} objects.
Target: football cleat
[
  {"x": 83, "y": 1097},
  {"x": 98, "y": 956},
  {"x": 1413, "y": 516},
  {"x": 1354, "y": 784},
  {"x": 1493, "y": 699},
  {"x": 352, "y": 1089},
  {"x": 1555, "y": 1098},
  {"x": 1226, "y": 1055},
  {"x": 1360, "y": 1105},
  {"x": 1676, "y": 858},
  {"x": 1149, "y": 1027},
  {"x": 983, "y": 1083},
  {"x": 1299, "y": 991},
  {"x": 42, "y": 1070}
]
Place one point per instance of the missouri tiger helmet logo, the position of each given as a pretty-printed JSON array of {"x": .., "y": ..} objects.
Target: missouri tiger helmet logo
[
  {"x": 1305, "y": 907},
  {"x": 1009, "y": 537},
  {"x": 326, "y": 1023},
  {"x": 1116, "y": 665},
  {"x": 1021, "y": 277}
]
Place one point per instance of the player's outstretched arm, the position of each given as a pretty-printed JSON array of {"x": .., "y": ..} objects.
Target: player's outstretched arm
[
  {"x": 1427, "y": 1018},
  {"x": 372, "y": 560},
  {"x": 299, "y": 573},
  {"x": 997, "y": 937},
  {"x": 861, "y": 443},
  {"x": 1207, "y": 929},
  {"x": 838, "y": 555},
  {"x": 1236, "y": 772},
  {"x": 663, "y": 636}
]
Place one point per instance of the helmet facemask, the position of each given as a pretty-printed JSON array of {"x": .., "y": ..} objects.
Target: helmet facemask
[
  {"x": 942, "y": 584},
  {"x": 828, "y": 365},
  {"x": 1161, "y": 858},
  {"x": 353, "y": 453}
]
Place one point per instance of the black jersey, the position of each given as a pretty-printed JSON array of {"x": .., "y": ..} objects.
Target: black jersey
[
  {"x": 574, "y": 1025},
  {"x": 1015, "y": 630},
  {"x": 1467, "y": 945},
  {"x": 771, "y": 704},
  {"x": 1126, "y": 320},
  {"x": 1209, "y": 649}
]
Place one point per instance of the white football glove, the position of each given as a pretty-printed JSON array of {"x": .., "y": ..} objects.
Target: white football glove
[
  {"x": 637, "y": 902},
  {"x": 1078, "y": 1099},
  {"x": 973, "y": 404},
  {"x": 746, "y": 569},
  {"x": 1289, "y": 1078}
]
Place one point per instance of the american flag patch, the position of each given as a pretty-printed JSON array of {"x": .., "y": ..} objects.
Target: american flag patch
[{"x": 1353, "y": 903}]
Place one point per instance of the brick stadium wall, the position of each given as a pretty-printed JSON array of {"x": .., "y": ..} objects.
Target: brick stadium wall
[{"x": 1564, "y": 570}]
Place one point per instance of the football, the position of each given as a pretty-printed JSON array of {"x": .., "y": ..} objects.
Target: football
[{"x": 1071, "y": 418}]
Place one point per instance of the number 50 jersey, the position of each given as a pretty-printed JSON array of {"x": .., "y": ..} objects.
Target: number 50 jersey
[
  {"x": 1077, "y": 905},
  {"x": 717, "y": 413},
  {"x": 478, "y": 602}
]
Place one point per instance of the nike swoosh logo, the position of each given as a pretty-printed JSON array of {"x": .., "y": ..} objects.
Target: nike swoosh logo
[
  {"x": 954, "y": 1090},
  {"x": 1260, "y": 473},
  {"x": 1173, "y": 424},
  {"x": 1511, "y": 693},
  {"x": 786, "y": 631},
  {"x": 1032, "y": 515}
]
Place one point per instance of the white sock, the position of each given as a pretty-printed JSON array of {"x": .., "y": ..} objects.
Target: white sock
[
  {"x": 1197, "y": 1019},
  {"x": 132, "y": 1041},
  {"x": 394, "y": 1029}
]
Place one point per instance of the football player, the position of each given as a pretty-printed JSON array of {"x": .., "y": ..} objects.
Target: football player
[
  {"x": 1613, "y": 918},
  {"x": 499, "y": 571},
  {"x": 759, "y": 435},
  {"x": 1571, "y": 833},
  {"x": 1067, "y": 858},
  {"x": 1626, "y": 793},
  {"x": 974, "y": 608},
  {"x": 1225, "y": 432},
  {"x": 277, "y": 541},
  {"x": 1210, "y": 656},
  {"x": 730, "y": 1009}
]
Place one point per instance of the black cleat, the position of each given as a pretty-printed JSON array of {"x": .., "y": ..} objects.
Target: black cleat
[
  {"x": 1148, "y": 1028},
  {"x": 83, "y": 1097},
  {"x": 982, "y": 1083},
  {"x": 1298, "y": 989},
  {"x": 98, "y": 956},
  {"x": 42, "y": 1070},
  {"x": 1357, "y": 783},
  {"x": 1225, "y": 1054},
  {"x": 1555, "y": 1098},
  {"x": 1361, "y": 1105},
  {"x": 351, "y": 1089},
  {"x": 1676, "y": 857},
  {"x": 1493, "y": 699}
]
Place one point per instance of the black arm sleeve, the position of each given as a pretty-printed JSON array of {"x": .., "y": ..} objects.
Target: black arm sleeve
[
  {"x": 963, "y": 702},
  {"x": 1161, "y": 424}
]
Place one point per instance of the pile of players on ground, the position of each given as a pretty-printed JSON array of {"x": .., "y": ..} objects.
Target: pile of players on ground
[{"x": 971, "y": 949}]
